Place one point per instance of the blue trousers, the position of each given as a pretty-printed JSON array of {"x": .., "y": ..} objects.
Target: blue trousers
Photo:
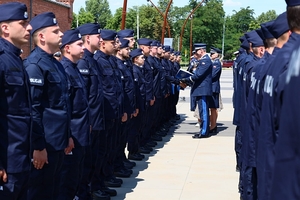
[
  {"x": 71, "y": 173},
  {"x": 204, "y": 114},
  {"x": 16, "y": 186},
  {"x": 44, "y": 183}
]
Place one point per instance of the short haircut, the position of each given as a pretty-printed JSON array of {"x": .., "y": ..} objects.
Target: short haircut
[{"x": 293, "y": 17}]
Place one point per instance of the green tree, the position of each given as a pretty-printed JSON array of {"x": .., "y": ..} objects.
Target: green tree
[
  {"x": 100, "y": 10},
  {"x": 242, "y": 19},
  {"x": 265, "y": 17},
  {"x": 253, "y": 25},
  {"x": 82, "y": 17},
  {"x": 114, "y": 23}
]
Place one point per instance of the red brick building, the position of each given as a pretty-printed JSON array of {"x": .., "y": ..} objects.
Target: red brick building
[{"x": 63, "y": 10}]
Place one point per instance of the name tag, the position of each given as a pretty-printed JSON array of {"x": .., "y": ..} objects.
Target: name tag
[{"x": 84, "y": 71}]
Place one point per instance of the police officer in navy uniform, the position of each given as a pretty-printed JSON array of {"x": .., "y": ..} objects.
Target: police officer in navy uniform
[
  {"x": 214, "y": 100},
  {"x": 114, "y": 113},
  {"x": 72, "y": 51},
  {"x": 264, "y": 155},
  {"x": 128, "y": 34},
  {"x": 122, "y": 55},
  {"x": 202, "y": 88},
  {"x": 139, "y": 77},
  {"x": 145, "y": 45},
  {"x": 15, "y": 103},
  {"x": 283, "y": 70},
  {"x": 51, "y": 109},
  {"x": 89, "y": 69}
]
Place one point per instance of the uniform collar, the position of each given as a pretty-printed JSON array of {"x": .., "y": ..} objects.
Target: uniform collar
[
  {"x": 102, "y": 54},
  {"x": 67, "y": 62},
  {"x": 88, "y": 53},
  {"x": 11, "y": 48},
  {"x": 42, "y": 52}
]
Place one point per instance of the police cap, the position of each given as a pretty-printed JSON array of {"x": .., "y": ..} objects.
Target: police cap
[
  {"x": 13, "y": 11},
  {"x": 89, "y": 29},
  {"x": 70, "y": 36},
  {"x": 43, "y": 20},
  {"x": 136, "y": 52},
  {"x": 107, "y": 34},
  {"x": 126, "y": 33}
]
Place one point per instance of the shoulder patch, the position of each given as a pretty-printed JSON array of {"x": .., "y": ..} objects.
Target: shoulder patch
[
  {"x": 36, "y": 81},
  {"x": 84, "y": 71}
]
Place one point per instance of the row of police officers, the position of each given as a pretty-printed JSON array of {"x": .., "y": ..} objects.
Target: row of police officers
[
  {"x": 65, "y": 122},
  {"x": 266, "y": 102}
]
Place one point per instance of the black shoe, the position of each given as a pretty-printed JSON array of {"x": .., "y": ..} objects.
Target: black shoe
[
  {"x": 198, "y": 136},
  {"x": 122, "y": 173},
  {"x": 128, "y": 165},
  {"x": 162, "y": 129},
  {"x": 112, "y": 183},
  {"x": 156, "y": 138},
  {"x": 135, "y": 156},
  {"x": 100, "y": 195},
  {"x": 214, "y": 130},
  {"x": 160, "y": 133},
  {"x": 129, "y": 162},
  {"x": 237, "y": 168},
  {"x": 110, "y": 192},
  {"x": 151, "y": 144},
  {"x": 144, "y": 150},
  {"x": 177, "y": 117}
]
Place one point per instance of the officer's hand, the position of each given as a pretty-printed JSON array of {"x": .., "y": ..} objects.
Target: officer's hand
[
  {"x": 152, "y": 102},
  {"x": 124, "y": 117},
  {"x": 137, "y": 111},
  {"x": 3, "y": 175},
  {"x": 70, "y": 146},
  {"x": 40, "y": 158},
  {"x": 183, "y": 85}
]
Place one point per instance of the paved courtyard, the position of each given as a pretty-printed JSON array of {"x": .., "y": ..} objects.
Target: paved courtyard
[{"x": 182, "y": 168}]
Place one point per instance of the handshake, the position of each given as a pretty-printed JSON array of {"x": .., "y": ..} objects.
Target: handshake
[{"x": 184, "y": 82}]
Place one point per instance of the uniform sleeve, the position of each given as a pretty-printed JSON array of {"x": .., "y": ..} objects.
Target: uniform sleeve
[
  {"x": 202, "y": 70},
  {"x": 217, "y": 72},
  {"x": 36, "y": 79}
]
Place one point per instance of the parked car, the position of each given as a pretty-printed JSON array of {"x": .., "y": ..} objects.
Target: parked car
[{"x": 227, "y": 63}]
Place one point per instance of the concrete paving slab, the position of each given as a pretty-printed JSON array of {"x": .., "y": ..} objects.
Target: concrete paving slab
[{"x": 182, "y": 168}]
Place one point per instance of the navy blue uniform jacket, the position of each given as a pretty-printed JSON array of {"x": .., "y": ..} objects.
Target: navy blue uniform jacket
[
  {"x": 50, "y": 101},
  {"x": 202, "y": 78},
  {"x": 112, "y": 86},
  {"x": 80, "y": 126},
  {"x": 89, "y": 69},
  {"x": 15, "y": 109}
]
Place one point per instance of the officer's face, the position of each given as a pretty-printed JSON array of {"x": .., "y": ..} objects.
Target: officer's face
[
  {"x": 95, "y": 41},
  {"x": 167, "y": 55},
  {"x": 18, "y": 32},
  {"x": 76, "y": 49},
  {"x": 131, "y": 42},
  {"x": 178, "y": 59},
  {"x": 117, "y": 44},
  {"x": 108, "y": 46},
  {"x": 53, "y": 36},
  {"x": 125, "y": 52},
  {"x": 159, "y": 50},
  {"x": 146, "y": 50},
  {"x": 139, "y": 60},
  {"x": 154, "y": 50}
]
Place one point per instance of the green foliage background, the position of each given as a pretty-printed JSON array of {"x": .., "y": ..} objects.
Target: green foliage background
[{"x": 209, "y": 22}]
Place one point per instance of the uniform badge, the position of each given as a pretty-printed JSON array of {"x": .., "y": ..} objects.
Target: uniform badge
[
  {"x": 79, "y": 35},
  {"x": 99, "y": 30},
  {"x": 54, "y": 21},
  {"x": 203, "y": 63},
  {"x": 122, "y": 77},
  {"x": 25, "y": 15},
  {"x": 215, "y": 66},
  {"x": 84, "y": 71}
]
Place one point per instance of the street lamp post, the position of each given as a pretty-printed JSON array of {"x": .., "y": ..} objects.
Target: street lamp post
[
  {"x": 183, "y": 26},
  {"x": 168, "y": 26}
]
